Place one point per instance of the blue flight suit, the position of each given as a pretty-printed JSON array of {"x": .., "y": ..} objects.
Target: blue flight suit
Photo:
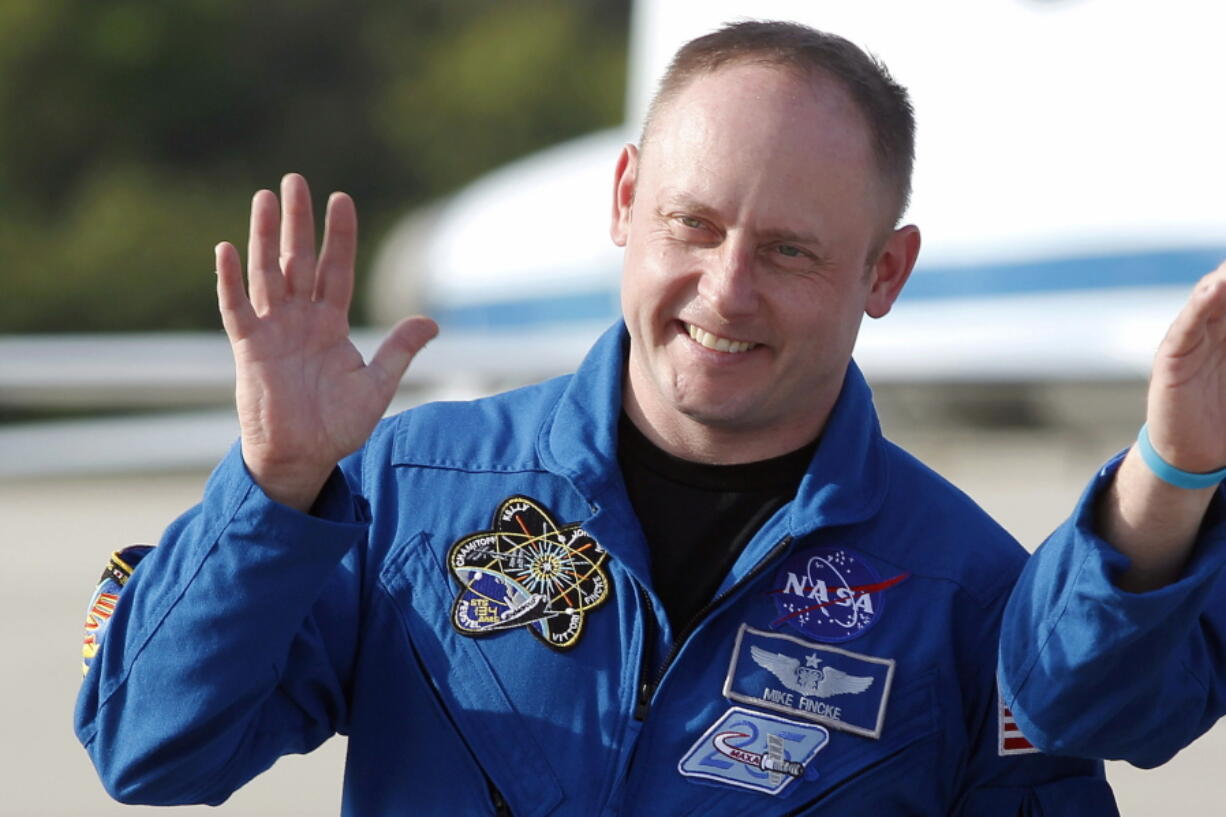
[
  {"x": 1094, "y": 671},
  {"x": 471, "y": 603}
]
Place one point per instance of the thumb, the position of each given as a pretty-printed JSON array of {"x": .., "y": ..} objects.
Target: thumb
[{"x": 400, "y": 347}]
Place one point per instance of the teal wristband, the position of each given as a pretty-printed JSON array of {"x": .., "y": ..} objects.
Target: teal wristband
[{"x": 1168, "y": 473}]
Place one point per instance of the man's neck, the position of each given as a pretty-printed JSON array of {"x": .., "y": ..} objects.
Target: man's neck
[{"x": 690, "y": 439}]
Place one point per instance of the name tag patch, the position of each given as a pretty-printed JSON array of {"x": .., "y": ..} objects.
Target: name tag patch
[
  {"x": 754, "y": 750},
  {"x": 827, "y": 685}
]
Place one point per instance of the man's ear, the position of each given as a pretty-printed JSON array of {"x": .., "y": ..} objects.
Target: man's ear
[
  {"x": 892, "y": 269},
  {"x": 624, "y": 179}
]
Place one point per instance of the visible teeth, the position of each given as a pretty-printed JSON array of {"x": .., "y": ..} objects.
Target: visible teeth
[{"x": 710, "y": 341}]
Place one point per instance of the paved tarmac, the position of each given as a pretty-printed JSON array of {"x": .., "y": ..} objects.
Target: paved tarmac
[{"x": 58, "y": 533}]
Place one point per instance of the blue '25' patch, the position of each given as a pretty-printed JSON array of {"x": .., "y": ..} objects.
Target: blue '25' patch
[{"x": 754, "y": 750}]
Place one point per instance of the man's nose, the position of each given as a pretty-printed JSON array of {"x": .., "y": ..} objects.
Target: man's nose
[{"x": 728, "y": 283}]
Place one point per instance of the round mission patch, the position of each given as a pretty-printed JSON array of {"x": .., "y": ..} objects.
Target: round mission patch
[{"x": 831, "y": 594}]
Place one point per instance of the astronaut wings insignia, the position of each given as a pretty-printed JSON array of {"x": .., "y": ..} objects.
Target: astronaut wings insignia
[
  {"x": 809, "y": 680},
  {"x": 815, "y": 682}
]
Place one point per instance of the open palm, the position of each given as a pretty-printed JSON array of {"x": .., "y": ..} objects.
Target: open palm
[
  {"x": 1187, "y": 393},
  {"x": 305, "y": 397}
]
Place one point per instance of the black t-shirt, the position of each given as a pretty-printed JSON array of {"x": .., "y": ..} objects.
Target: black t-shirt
[{"x": 698, "y": 517}]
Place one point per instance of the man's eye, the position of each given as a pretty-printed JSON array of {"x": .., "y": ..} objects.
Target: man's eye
[
  {"x": 691, "y": 222},
  {"x": 790, "y": 251}
]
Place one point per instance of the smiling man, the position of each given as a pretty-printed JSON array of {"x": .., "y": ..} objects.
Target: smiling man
[
  {"x": 759, "y": 229},
  {"x": 690, "y": 578}
]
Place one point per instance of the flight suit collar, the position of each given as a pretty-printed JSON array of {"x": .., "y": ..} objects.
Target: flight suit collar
[{"x": 844, "y": 484}]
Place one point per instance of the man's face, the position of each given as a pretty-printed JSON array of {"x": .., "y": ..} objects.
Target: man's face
[{"x": 748, "y": 222}]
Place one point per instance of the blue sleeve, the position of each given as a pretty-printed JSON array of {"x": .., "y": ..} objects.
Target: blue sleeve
[
  {"x": 229, "y": 645},
  {"x": 1009, "y": 777},
  {"x": 1011, "y": 782},
  {"x": 1091, "y": 670}
]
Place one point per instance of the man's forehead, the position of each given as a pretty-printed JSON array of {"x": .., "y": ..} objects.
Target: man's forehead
[
  {"x": 762, "y": 121},
  {"x": 753, "y": 84},
  {"x": 740, "y": 109},
  {"x": 756, "y": 146}
]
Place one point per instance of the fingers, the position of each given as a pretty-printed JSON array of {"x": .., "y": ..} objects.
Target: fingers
[
  {"x": 267, "y": 282},
  {"x": 400, "y": 346},
  {"x": 237, "y": 315},
  {"x": 1200, "y": 318},
  {"x": 281, "y": 247},
  {"x": 297, "y": 235},
  {"x": 335, "y": 280}
]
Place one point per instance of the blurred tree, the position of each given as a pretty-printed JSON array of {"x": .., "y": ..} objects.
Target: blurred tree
[
  {"x": 132, "y": 134},
  {"x": 461, "y": 104}
]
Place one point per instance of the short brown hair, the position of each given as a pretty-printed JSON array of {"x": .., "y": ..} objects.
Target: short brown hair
[{"x": 884, "y": 103}]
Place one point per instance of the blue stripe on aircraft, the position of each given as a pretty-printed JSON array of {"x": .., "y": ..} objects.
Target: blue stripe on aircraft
[
  {"x": 565, "y": 307},
  {"x": 1097, "y": 272},
  {"x": 1146, "y": 269}
]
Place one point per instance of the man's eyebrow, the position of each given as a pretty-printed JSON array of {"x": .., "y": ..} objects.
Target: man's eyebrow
[
  {"x": 672, "y": 199},
  {"x": 782, "y": 234},
  {"x": 678, "y": 200}
]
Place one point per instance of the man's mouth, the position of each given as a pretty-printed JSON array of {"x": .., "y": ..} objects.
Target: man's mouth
[{"x": 719, "y": 344}]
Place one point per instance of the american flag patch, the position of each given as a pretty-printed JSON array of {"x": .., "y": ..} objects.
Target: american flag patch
[{"x": 1012, "y": 741}]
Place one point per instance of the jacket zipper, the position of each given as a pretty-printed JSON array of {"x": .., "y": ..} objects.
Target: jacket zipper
[
  {"x": 501, "y": 809},
  {"x": 645, "y": 687},
  {"x": 649, "y": 681}
]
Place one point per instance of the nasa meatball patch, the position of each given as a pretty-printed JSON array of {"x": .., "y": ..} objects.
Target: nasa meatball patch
[
  {"x": 828, "y": 685},
  {"x": 527, "y": 571},
  {"x": 754, "y": 750},
  {"x": 830, "y": 594}
]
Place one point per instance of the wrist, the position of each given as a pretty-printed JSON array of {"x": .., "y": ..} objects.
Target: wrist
[
  {"x": 1168, "y": 473},
  {"x": 1151, "y": 522},
  {"x": 295, "y": 486}
]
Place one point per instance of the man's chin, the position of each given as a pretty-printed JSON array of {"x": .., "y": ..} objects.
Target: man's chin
[{"x": 726, "y": 415}]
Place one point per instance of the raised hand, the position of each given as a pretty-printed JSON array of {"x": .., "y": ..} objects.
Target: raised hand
[
  {"x": 1150, "y": 521},
  {"x": 305, "y": 397},
  {"x": 1186, "y": 408}
]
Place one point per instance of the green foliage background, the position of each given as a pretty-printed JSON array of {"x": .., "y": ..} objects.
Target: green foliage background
[{"x": 133, "y": 133}]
